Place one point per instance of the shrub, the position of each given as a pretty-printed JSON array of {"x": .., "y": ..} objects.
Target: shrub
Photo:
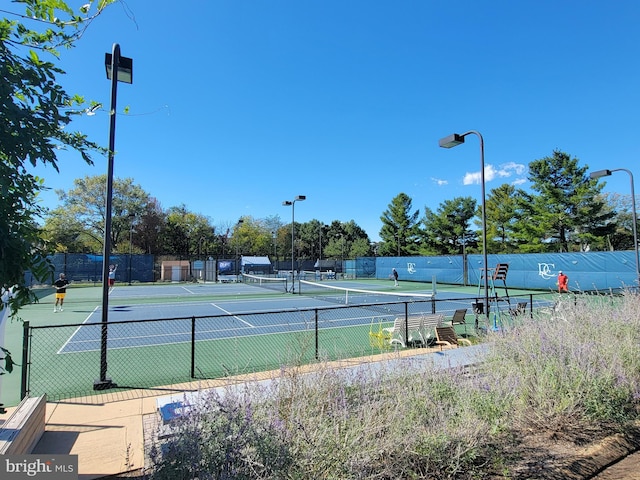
[{"x": 409, "y": 419}]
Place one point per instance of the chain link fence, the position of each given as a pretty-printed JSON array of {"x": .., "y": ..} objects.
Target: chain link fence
[{"x": 66, "y": 361}]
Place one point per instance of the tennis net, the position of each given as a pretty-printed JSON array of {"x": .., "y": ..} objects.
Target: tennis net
[
  {"x": 271, "y": 283},
  {"x": 355, "y": 296}
]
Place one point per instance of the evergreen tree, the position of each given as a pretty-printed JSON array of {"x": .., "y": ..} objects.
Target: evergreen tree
[
  {"x": 400, "y": 229},
  {"x": 446, "y": 231},
  {"x": 503, "y": 211},
  {"x": 566, "y": 208}
]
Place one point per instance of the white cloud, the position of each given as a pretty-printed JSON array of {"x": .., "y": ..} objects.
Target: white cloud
[
  {"x": 505, "y": 170},
  {"x": 439, "y": 181}
]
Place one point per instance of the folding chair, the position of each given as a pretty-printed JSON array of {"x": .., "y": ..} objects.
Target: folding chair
[
  {"x": 459, "y": 318},
  {"x": 379, "y": 338},
  {"x": 520, "y": 309},
  {"x": 446, "y": 336},
  {"x": 398, "y": 333}
]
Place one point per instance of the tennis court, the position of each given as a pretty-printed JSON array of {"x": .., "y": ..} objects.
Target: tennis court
[
  {"x": 228, "y": 316},
  {"x": 164, "y": 334}
]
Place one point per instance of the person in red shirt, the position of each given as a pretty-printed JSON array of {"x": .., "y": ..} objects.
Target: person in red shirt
[{"x": 563, "y": 282}]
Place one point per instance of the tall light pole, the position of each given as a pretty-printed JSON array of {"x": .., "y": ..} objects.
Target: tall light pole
[
  {"x": 275, "y": 248},
  {"x": 452, "y": 141},
  {"x": 342, "y": 258},
  {"x": 119, "y": 69},
  {"x": 341, "y": 235},
  {"x": 606, "y": 173},
  {"x": 240, "y": 221},
  {"x": 131, "y": 219},
  {"x": 292, "y": 204}
]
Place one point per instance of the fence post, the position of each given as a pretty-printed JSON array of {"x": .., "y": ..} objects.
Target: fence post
[
  {"x": 25, "y": 359},
  {"x": 406, "y": 322},
  {"x": 317, "y": 335},
  {"x": 193, "y": 347}
]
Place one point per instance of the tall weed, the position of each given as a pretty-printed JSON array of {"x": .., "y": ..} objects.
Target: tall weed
[{"x": 576, "y": 366}]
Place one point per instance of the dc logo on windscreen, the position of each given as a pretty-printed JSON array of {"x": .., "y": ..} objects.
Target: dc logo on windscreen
[
  {"x": 411, "y": 267},
  {"x": 544, "y": 270}
]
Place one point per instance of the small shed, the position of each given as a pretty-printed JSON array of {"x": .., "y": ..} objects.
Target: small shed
[
  {"x": 256, "y": 265},
  {"x": 175, "y": 271}
]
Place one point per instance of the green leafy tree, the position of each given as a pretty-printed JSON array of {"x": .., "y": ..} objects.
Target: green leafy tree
[
  {"x": 613, "y": 230},
  {"x": 447, "y": 231},
  {"x": 83, "y": 213},
  {"x": 400, "y": 230},
  {"x": 253, "y": 237},
  {"x": 184, "y": 230},
  {"x": 35, "y": 113},
  {"x": 308, "y": 239},
  {"x": 150, "y": 228},
  {"x": 566, "y": 207},
  {"x": 346, "y": 240}
]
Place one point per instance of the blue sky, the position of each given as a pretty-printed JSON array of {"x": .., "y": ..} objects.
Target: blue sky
[{"x": 237, "y": 106}]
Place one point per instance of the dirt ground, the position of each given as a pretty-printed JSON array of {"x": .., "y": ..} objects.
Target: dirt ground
[
  {"x": 581, "y": 456},
  {"x": 548, "y": 456}
]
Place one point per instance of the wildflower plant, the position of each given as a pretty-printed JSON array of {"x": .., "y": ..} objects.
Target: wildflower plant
[{"x": 380, "y": 421}]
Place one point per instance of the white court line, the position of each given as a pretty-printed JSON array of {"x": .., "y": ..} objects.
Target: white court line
[
  {"x": 234, "y": 316},
  {"x": 191, "y": 292},
  {"x": 76, "y": 331}
]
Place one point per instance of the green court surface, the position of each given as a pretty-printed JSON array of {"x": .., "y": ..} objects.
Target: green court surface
[{"x": 64, "y": 364}]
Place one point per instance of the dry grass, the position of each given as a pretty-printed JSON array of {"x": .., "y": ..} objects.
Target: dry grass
[{"x": 563, "y": 379}]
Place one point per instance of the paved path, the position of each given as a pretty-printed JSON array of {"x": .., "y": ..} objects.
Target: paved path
[{"x": 107, "y": 431}]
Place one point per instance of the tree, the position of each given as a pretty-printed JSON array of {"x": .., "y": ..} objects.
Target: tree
[
  {"x": 253, "y": 237},
  {"x": 35, "y": 112},
  {"x": 399, "y": 232},
  {"x": 150, "y": 227},
  {"x": 447, "y": 231},
  {"x": 184, "y": 231},
  {"x": 614, "y": 229},
  {"x": 83, "y": 212},
  {"x": 503, "y": 211},
  {"x": 346, "y": 240},
  {"x": 566, "y": 206}
]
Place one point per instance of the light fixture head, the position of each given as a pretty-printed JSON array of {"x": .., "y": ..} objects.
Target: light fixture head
[
  {"x": 451, "y": 141},
  {"x": 301, "y": 197},
  {"x": 600, "y": 173},
  {"x": 287, "y": 203},
  {"x": 125, "y": 68},
  {"x": 92, "y": 111}
]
